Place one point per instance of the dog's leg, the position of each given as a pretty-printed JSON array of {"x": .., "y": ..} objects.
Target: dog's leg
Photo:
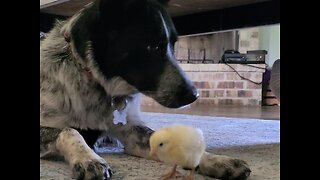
[
  {"x": 134, "y": 135},
  {"x": 70, "y": 144},
  {"x": 135, "y": 139},
  {"x": 223, "y": 167}
]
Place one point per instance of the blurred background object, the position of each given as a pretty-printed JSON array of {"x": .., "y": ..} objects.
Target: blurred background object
[
  {"x": 275, "y": 79},
  {"x": 42, "y": 35}
]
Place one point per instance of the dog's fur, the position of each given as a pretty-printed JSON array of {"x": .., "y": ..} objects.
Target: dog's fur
[{"x": 112, "y": 49}]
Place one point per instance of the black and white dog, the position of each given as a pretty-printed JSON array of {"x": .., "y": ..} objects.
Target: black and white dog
[{"x": 93, "y": 68}]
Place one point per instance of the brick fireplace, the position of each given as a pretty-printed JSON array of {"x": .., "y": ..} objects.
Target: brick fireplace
[{"x": 219, "y": 84}]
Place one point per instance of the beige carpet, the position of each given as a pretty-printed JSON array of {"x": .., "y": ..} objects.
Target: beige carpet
[{"x": 255, "y": 141}]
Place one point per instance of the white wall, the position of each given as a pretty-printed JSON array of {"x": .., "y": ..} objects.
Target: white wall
[
  {"x": 248, "y": 39},
  {"x": 269, "y": 39}
]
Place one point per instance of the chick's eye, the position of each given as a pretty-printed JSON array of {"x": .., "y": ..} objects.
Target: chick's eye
[{"x": 161, "y": 144}]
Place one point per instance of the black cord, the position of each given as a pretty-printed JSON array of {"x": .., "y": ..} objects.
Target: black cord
[
  {"x": 258, "y": 83},
  {"x": 256, "y": 66}
]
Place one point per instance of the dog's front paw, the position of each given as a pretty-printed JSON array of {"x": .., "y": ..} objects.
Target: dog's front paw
[
  {"x": 223, "y": 167},
  {"x": 92, "y": 170}
]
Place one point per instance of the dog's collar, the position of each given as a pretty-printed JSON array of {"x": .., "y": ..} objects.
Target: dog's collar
[
  {"x": 119, "y": 103},
  {"x": 66, "y": 37}
]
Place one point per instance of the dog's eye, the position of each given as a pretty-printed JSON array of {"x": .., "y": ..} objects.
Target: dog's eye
[
  {"x": 161, "y": 144},
  {"x": 152, "y": 48},
  {"x": 156, "y": 47}
]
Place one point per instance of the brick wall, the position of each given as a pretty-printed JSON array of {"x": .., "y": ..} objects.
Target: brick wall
[{"x": 218, "y": 84}]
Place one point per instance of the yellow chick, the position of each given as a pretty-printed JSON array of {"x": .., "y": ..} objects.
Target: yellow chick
[{"x": 178, "y": 145}]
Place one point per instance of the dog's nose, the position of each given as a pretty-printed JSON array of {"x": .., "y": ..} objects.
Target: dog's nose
[
  {"x": 187, "y": 96},
  {"x": 190, "y": 96}
]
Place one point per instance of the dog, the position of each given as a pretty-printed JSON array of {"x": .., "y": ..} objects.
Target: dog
[{"x": 94, "y": 68}]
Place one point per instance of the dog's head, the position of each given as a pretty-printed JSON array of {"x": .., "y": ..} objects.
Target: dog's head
[{"x": 134, "y": 40}]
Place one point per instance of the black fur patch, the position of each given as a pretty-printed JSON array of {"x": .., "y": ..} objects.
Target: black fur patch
[
  {"x": 197, "y": 168},
  {"x": 121, "y": 45},
  {"x": 244, "y": 175},
  {"x": 143, "y": 133},
  {"x": 48, "y": 134},
  {"x": 227, "y": 174},
  {"x": 237, "y": 163},
  {"x": 78, "y": 171}
]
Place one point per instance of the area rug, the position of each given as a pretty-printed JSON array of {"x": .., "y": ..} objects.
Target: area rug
[{"x": 254, "y": 140}]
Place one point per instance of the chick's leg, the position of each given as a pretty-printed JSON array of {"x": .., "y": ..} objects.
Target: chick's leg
[
  {"x": 190, "y": 176},
  {"x": 172, "y": 174}
]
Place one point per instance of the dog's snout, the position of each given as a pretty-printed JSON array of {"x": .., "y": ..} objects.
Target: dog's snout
[
  {"x": 185, "y": 96},
  {"x": 188, "y": 96}
]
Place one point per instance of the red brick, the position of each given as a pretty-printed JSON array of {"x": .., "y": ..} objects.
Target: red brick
[
  {"x": 244, "y": 93},
  {"x": 251, "y": 85},
  {"x": 231, "y": 93},
  {"x": 217, "y": 76},
  {"x": 202, "y": 84},
  {"x": 232, "y": 76},
  {"x": 226, "y": 85},
  {"x": 239, "y": 85},
  {"x": 204, "y": 93},
  {"x": 217, "y": 93},
  {"x": 205, "y": 85},
  {"x": 211, "y": 84}
]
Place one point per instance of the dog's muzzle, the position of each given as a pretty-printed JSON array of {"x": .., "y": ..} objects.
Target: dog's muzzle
[{"x": 184, "y": 96}]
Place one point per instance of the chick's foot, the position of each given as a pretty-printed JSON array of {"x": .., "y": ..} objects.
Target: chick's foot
[
  {"x": 190, "y": 176},
  {"x": 172, "y": 174}
]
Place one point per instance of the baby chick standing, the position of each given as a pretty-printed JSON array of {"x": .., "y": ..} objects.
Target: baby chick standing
[{"x": 178, "y": 145}]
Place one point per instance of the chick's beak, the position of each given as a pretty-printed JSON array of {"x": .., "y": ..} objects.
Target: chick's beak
[{"x": 153, "y": 154}]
